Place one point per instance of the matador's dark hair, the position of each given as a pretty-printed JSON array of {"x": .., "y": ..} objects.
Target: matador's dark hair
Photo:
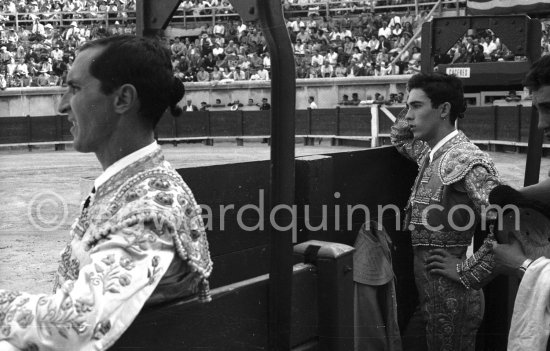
[
  {"x": 441, "y": 88},
  {"x": 145, "y": 64}
]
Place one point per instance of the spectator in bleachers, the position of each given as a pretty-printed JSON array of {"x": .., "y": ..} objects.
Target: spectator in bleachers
[
  {"x": 314, "y": 70},
  {"x": 202, "y": 75},
  {"x": 374, "y": 43},
  {"x": 385, "y": 30},
  {"x": 239, "y": 74},
  {"x": 326, "y": 70},
  {"x": 477, "y": 54},
  {"x": 263, "y": 74},
  {"x": 177, "y": 48},
  {"x": 356, "y": 69},
  {"x": 189, "y": 107},
  {"x": 340, "y": 70},
  {"x": 219, "y": 29},
  {"x": 302, "y": 71}
]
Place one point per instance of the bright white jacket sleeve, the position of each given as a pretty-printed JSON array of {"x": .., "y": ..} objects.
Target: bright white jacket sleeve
[
  {"x": 91, "y": 312},
  {"x": 530, "y": 325}
]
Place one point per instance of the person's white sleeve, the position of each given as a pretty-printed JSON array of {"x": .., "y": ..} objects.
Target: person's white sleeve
[
  {"x": 92, "y": 312},
  {"x": 530, "y": 326}
]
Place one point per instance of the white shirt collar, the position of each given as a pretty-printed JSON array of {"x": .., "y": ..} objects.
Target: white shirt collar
[
  {"x": 124, "y": 162},
  {"x": 442, "y": 142}
]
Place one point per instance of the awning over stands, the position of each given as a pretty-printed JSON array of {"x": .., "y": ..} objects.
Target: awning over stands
[{"x": 507, "y": 7}]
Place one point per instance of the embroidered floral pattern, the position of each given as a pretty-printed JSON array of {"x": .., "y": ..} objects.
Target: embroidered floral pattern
[
  {"x": 453, "y": 314},
  {"x": 68, "y": 266},
  {"x": 479, "y": 183},
  {"x": 460, "y": 159},
  {"x": 10, "y": 309},
  {"x": 24, "y": 318},
  {"x": 153, "y": 272},
  {"x": 110, "y": 276},
  {"x": 101, "y": 329},
  {"x": 61, "y": 317}
]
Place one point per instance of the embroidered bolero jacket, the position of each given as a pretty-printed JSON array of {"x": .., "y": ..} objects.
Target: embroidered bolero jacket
[
  {"x": 459, "y": 173},
  {"x": 142, "y": 229}
]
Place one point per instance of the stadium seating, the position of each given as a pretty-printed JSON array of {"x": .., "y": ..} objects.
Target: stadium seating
[{"x": 343, "y": 38}]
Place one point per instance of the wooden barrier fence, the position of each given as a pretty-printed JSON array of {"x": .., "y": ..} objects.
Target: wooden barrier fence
[
  {"x": 492, "y": 126},
  {"x": 322, "y": 287}
]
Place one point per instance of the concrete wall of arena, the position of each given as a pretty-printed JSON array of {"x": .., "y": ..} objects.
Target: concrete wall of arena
[{"x": 19, "y": 102}]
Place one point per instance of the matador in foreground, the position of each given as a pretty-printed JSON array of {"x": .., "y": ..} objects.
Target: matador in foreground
[{"x": 139, "y": 238}]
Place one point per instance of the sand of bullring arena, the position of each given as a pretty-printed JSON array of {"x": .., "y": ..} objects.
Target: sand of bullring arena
[{"x": 41, "y": 193}]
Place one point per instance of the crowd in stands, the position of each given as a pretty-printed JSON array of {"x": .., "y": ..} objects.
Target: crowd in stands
[
  {"x": 40, "y": 49},
  {"x": 41, "y": 55},
  {"x": 368, "y": 44}
]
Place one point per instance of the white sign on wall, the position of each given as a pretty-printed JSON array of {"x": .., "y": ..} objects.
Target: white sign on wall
[{"x": 460, "y": 72}]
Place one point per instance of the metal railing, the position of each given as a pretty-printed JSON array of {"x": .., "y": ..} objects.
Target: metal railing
[{"x": 212, "y": 14}]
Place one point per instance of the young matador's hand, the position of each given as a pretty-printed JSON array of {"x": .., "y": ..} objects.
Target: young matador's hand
[{"x": 443, "y": 263}]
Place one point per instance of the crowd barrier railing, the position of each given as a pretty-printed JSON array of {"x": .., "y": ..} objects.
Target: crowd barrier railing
[
  {"x": 333, "y": 8},
  {"x": 492, "y": 126},
  {"x": 64, "y": 19},
  {"x": 209, "y": 14}
]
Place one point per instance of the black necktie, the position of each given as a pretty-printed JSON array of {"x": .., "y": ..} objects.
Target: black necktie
[{"x": 88, "y": 199}]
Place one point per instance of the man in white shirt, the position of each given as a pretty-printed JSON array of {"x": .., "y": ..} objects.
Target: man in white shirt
[
  {"x": 267, "y": 60},
  {"x": 241, "y": 28},
  {"x": 57, "y": 53},
  {"x": 385, "y": 30},
  {"x": 219, "y": 29},
  {"x": 37, "y": 27},
  {"x": 374, "y": 44},
  {"x": 139, "y": 238},
  {"x": 72, "y": 31},
  {"x": 361, "y": 43},
  {"x": 317, "y": 58},
  {"x": 178, "y": 48},
  {"x": 239, "y": 74},
  {"x": 326, "y": 70},
  {"x": 332, "y": 57},
  {"x": 189, "y": 107},
  {"x": 263, "y": 74},
  {"x": 311, "y": 102},
  {"x": 217, "y": 50},
  {"x": 293, "y": 26},
  {"x": 299, "y": 48}
]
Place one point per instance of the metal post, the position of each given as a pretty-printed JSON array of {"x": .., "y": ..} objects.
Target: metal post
[
  {"x": 534, "y": 151},
  {"x": 283, "y": 97},
  {"x": 374, "y": 111}
]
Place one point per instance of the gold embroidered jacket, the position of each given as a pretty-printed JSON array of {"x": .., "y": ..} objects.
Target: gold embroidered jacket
[
  {"x": 141, "y": 233},
  {"x": 459, "y": 177}
]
